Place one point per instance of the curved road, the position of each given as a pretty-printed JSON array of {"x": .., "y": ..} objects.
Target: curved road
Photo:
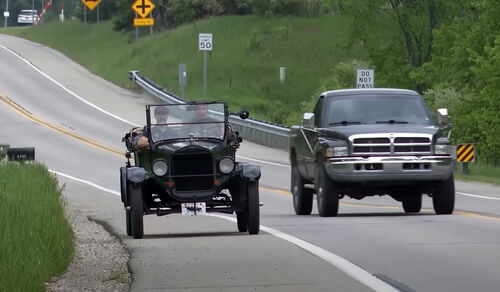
[{"x": 76, "y": 121}]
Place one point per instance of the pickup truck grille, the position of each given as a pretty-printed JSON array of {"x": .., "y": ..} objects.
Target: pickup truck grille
[
  {"x": 391, "y": 144},
  {"x": 192, "y": 169}
]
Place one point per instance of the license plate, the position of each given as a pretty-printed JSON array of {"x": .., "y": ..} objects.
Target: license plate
[{"x": 190, "y": 209}]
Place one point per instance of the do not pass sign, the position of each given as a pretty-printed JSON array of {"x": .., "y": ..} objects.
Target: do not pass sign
[{"x": 365, "y": 78}]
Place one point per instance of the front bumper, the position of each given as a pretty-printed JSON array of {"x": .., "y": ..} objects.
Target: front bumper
[{"x": 389, "y": 168}]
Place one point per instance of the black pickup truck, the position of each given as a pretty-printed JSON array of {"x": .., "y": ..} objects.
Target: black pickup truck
[{"x": 366, "y": 142}]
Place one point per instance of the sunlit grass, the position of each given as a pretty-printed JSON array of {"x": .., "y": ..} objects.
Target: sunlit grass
[{"x": 36, "y": 240}]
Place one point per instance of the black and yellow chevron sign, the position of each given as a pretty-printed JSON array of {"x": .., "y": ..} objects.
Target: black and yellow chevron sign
[{"x": 465, "y": 152}]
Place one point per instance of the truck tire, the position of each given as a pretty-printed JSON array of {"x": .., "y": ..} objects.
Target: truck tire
[
  {"x": 412, "y": 203},
  {"x": 443, "y": 198},
  {"x": 253, "y": 207},
  {"x": 136, "y": 210},
  {"x": 302, "y": 197},
  {"x": 327, "y": 193}
]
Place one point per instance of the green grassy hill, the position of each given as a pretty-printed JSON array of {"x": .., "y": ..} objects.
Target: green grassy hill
[{"x": 243, "y": 67}]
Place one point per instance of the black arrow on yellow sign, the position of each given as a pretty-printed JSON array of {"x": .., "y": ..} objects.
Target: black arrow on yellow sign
[{"x": 465, "y": 152}]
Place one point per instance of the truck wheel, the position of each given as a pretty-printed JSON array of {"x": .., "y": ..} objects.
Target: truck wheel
[
  {"x": 128, "y": 222},
  {"x": 253, "y": 207},
  {"x": 327, "y": 193},
  {"x": 242, "y": 220},
  {"x": 412, "y": 203},
  {"x": 302, "y": 197},
  {"x": 443, "y": 198},
  {"x": 137, "y": 210}
]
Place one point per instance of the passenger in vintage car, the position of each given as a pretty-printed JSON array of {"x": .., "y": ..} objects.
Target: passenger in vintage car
[{"x": 161, "y": 131}]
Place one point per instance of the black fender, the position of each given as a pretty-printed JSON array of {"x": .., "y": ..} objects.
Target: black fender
[{"x": 250, "y": 171}]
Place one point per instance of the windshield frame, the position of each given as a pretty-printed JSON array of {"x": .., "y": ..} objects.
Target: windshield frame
[{"x": 214, "y": 116}]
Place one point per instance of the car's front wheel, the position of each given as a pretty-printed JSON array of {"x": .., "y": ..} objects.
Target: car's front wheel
[
  {"x": 253, "y": 207},
  {"x": 242, "y": 221},
  {"x": 443, "y": 198},
  {"x": 327, "y": 193},
  {"x": 136, "y": 210},
  {"x": 302, "y": 197},
  {"x": 128, "y": 221}
]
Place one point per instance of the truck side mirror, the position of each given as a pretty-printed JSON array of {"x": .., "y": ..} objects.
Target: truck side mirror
[
  {"x": 442, "y": 117},
  {"x": 308, "y": 120}
]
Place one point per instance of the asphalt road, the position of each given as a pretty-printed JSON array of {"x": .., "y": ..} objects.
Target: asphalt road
[{"x": 423, "y": 252}]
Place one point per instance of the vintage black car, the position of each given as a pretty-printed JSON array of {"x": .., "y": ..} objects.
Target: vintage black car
[{"x": 184, "y": 162}]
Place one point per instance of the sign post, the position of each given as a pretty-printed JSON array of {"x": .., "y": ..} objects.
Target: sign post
[
  {"x": 205, "y": 44},
  {"x": 365, "y": 78}
]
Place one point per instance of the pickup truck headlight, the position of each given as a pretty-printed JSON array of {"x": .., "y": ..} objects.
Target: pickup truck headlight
[
  {"x": 442, "y": 150},
  {"x": 160, "y": 167},
  {"x": 338, "y": 151}
]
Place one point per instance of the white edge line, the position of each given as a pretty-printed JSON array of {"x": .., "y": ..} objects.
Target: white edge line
[
  {"x": 344, "y": 265},
  {"x": 66, "y": 89},
  {"x": 477, "y": 196},
  {"x": 86, "y": 182}
]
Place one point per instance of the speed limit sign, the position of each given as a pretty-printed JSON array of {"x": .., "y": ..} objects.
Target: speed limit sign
[{"x": 205, "y": 42}]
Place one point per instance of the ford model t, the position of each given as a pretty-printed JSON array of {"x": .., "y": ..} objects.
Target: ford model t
[{"x": 184, "y": 162}]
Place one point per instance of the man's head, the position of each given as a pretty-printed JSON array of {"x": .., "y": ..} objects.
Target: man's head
[{"x": 161, "y": 114}]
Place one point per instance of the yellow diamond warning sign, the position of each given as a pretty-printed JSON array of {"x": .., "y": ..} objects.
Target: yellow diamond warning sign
[
  {"x": 143, "y": 7},
  {"x": 144, "y": 21},
  {"x": 91, "y": 4}
]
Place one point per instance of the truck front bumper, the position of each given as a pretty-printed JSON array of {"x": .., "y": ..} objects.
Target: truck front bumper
[{"x": 389, "y": 168}]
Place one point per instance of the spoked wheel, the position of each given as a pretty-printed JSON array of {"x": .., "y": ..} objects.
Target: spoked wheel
[
  {"x": 443, "y": 198},
  {"x": 327, "y": 193},
  {"x": 412, "y": 203},
  {"x": 302, "y": 197},
  {"x": 136, "y": 210},
  {"x": 253, "y": 207},
  {"x": 242, "y": 220}
]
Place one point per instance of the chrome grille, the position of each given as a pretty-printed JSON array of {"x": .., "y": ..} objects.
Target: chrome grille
[{"x": 390, "y": 144}]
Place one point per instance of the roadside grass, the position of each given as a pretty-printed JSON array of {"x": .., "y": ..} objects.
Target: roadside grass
[
  {"x": 243, "y": 68},
  {"x": 479, "y": 172},
  {"x": 36, "y": 240}
]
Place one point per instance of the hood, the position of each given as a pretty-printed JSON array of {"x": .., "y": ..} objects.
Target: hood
[{"x": 343, "y": 132}]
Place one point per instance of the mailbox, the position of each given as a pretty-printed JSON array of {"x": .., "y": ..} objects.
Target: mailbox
[{"x": 21, "y": 154}]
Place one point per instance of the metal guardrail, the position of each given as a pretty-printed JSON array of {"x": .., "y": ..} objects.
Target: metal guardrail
[{"x": 261, "y": 132}]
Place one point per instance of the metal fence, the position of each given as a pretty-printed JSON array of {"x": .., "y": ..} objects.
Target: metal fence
[{"x": 261, "y": 132}]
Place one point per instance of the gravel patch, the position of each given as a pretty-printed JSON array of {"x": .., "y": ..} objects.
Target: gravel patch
[{"x": 100, "y": 262}]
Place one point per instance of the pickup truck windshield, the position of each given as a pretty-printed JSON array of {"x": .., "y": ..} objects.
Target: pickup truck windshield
[{"x": 376, "y": 109}]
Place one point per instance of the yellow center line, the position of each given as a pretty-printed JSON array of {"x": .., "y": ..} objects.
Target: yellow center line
[{"x": 25, "y": 113}]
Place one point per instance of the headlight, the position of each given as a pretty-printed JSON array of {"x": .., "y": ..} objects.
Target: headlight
[
  {"x": 442, "y": 150},
  {"x": 160, "y": 167},
  {"x": 336, "y": 151},
  {"x": 226, "y": 165}
]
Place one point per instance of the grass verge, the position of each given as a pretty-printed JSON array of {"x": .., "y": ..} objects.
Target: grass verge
[
  {"x": 479, "y": 172},
  {"x": 36, "y": 240}
]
